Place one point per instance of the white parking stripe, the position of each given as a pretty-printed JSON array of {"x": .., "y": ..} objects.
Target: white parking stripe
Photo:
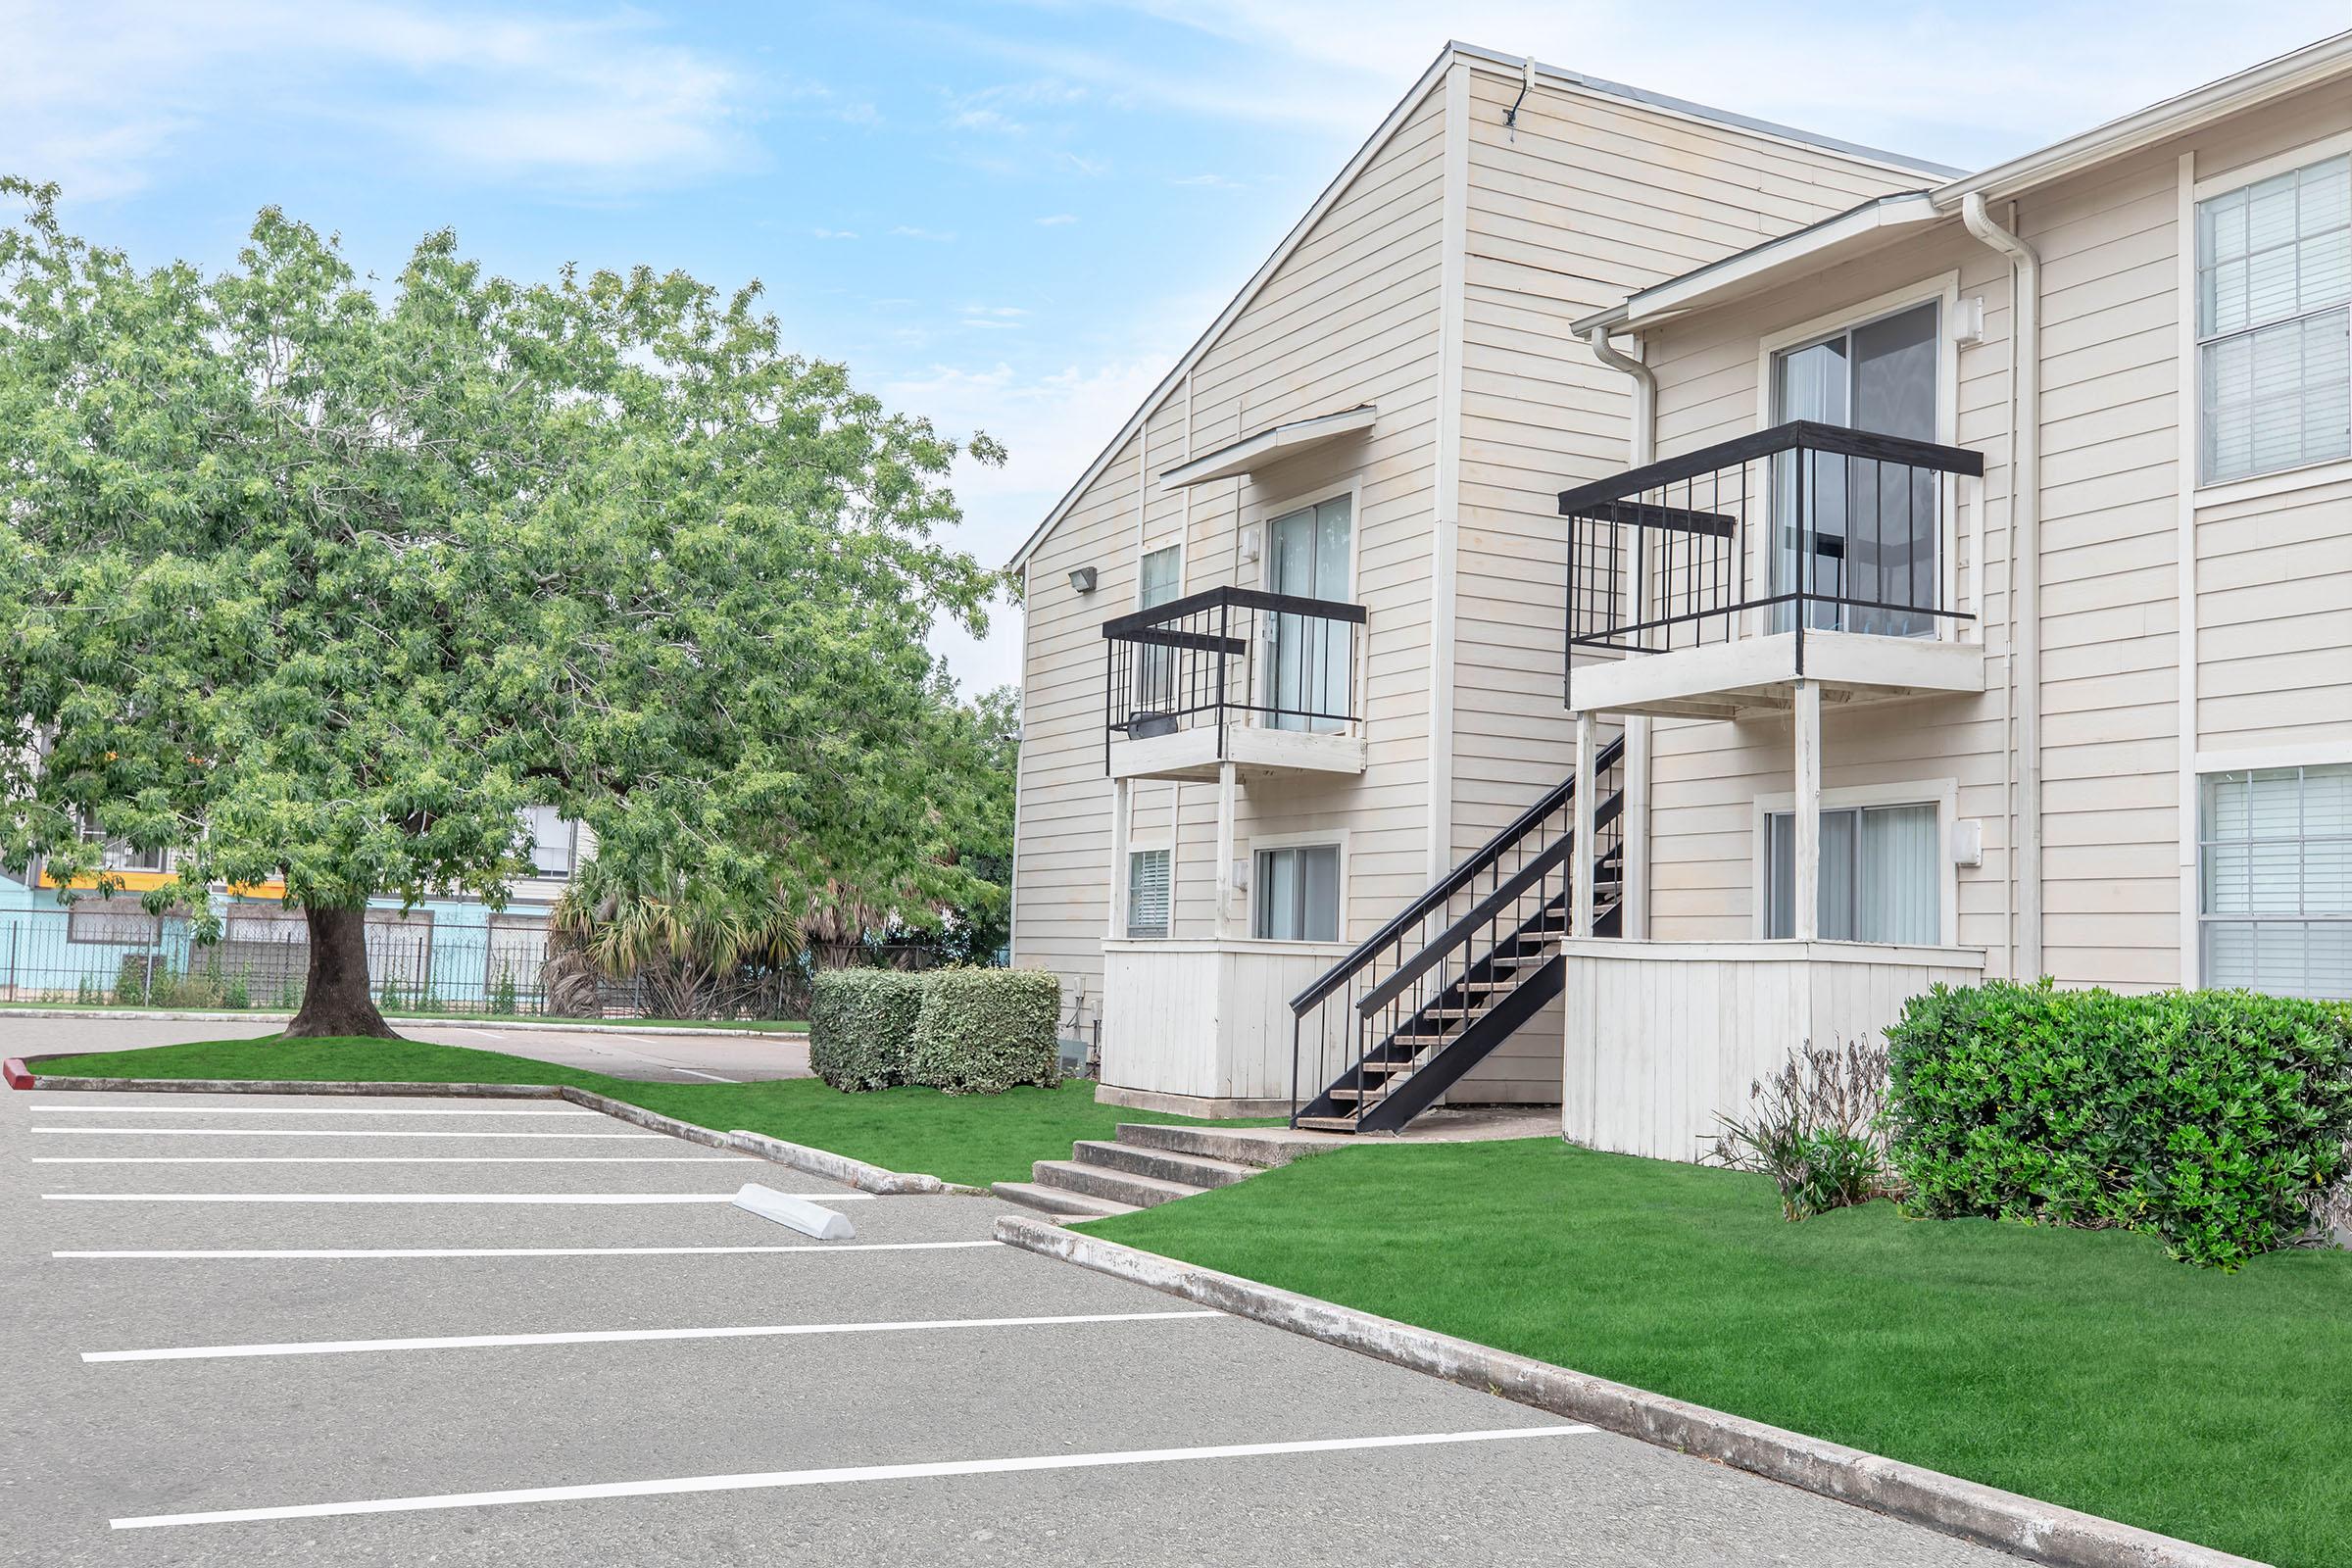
[
  {"x": 298, "y": 1132},
  {"x": 764, "y": 1331},
  {"x": 427, "y": 1197},
  {"x": 381, "y": 1160},
  {"x": 841, "y": 1475},
  {"x": 809, "y": 1249},
  {"x": 311, "y": 1110}
]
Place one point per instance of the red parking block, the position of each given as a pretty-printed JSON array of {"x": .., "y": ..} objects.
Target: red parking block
[{"x": 19, "y": 1076}]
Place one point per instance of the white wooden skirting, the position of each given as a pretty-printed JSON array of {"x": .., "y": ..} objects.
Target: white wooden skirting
[
  {"x": 1662, "y": 1035},
  {"x": 1204, "y": 1020}
]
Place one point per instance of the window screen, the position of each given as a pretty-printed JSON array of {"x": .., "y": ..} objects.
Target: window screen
[
  {"x": 2275, "y": 868},
  {"x": 2273, "y": 327},
  {"x": 1147, "y": 893}
]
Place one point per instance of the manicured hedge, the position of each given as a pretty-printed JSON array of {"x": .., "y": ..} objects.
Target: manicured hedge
[
  {"x": 2212, "y": 1119},
  {"x": 862, "y": 1026},
  {"x": 984, "y": 1030}
]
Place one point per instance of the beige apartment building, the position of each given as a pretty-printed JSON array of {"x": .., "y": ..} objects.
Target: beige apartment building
[{"x": 1628, "y": 590}]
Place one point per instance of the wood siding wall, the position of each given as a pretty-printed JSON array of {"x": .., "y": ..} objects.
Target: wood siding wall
[{"x": 2274, "y": 581}]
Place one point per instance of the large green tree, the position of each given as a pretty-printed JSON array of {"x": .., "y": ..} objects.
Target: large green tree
[{"x": 319, "y": 581}]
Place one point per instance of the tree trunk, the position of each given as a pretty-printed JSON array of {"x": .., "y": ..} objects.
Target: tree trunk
[{"x": 335, "y": 1000}]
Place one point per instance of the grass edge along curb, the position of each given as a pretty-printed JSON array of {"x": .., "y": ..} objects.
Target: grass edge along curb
[
  {"x": 2042, "y": 1532},
  {"x": 428, "y": 1020},
  {"x": 776, "y": 1150}
]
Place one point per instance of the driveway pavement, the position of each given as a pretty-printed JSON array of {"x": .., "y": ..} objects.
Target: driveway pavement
[
  {"x": 686, "y": 1058},
  {"x": 256, "y": 1331}
]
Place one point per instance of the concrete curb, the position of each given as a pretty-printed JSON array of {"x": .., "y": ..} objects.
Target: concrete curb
[
  {"x": 552, "y": 1025},
  {"x": 799, "y": 1156},
  {"x": 840, "y": 1167},
  {"x": 2040, "y": 1531}
]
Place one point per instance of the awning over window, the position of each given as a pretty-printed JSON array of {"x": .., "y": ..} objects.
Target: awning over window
[{"x": 1269, "y": 446}]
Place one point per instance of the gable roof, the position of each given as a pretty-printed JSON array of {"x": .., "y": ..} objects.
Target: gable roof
[
  {"x": 1371, "y": 149},
  {"x": 1761, "y": 265}
]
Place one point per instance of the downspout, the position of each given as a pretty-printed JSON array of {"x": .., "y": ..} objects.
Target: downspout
[
  {"x": 2025, "y": 556},
  {"x": 1644, "y": 440},
  {"x": 1645, "y": 394}
]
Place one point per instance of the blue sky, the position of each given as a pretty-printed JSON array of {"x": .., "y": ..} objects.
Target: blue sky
[{"x": 1006, "y": 216}]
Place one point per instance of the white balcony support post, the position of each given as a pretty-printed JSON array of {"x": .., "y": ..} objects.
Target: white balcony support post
[
  {"x": 1122, "y": 810},
  {"x": 1580, "y": 857},
  {"x": 1807, "y": 812},
  {"x": 1226, "y": 900}
]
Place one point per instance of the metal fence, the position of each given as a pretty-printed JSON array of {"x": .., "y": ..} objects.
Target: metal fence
[{"x": 109, "y": 953}]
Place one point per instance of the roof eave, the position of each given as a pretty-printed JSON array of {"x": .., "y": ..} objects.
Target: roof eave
[{"x": 2306, "y": 67}]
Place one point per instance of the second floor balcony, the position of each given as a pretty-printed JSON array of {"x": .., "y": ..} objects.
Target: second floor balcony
[
  {"x": 1268, "y": 682},
  {"x": 1705, "y": 585}
]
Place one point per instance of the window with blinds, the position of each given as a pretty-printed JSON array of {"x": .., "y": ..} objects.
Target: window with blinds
[
  {"x": 2274, "y": 322},
  {"x": 1147, "y": 893},
  {"x": 2275, "y": 868}
]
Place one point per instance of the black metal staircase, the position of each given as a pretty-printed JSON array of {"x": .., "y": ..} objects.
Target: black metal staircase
[{"x": 1392, "y": 1026}]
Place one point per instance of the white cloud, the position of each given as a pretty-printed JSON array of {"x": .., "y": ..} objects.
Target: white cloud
[
  {"x": 1053, "y": 425},
  {"x": 103, "y": 96},
  {"x": 1057, "y": 219},
  {"x": 2026, "y": 74},
  {"x": 932, "y": 236},
  {"x": 834, "y": 233}
]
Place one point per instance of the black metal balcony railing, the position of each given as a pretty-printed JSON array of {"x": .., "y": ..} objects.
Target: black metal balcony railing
[
  {"x": 1800, "y": 526},
  {"x": 1277, "y": 661}
]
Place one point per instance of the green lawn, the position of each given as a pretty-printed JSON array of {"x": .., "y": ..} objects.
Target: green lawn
[
  {"x": 974, "y": 1138},
  {"x": 2080, "y": 1367}
]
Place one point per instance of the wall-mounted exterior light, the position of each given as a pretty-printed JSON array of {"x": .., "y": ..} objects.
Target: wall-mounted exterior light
[{"x": 1083, "y": 580}]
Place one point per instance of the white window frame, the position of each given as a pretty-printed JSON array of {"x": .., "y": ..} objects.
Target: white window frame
[
  {"x": 2322, "y": 753},
  {"x": 1317, "y": 839},
  {"x": 1183, "y": 564},
  {"x": 1146, "y": 844},
  {"x": 2277, "y": 481},
  {"x": 1943, "y": 290},
  {"x": 1941, "y": 793}
]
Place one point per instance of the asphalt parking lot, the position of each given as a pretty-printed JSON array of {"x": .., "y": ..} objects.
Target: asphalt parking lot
[{"x": 253, "y": 1329}]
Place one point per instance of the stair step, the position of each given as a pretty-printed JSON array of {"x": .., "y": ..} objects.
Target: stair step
[
  {"x": 1215, "y": 1143},
  {"x": 1058, "y": 1201},
  {"x": 1328, "y": 1124},
  {"x": 1120, "y": 1187},
  {"x": 1352, "y": 1096},
  {"x": 1167, "y": 1166}
]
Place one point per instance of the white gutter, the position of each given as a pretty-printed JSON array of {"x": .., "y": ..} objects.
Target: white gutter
[
  {"x": 1634, "y": 922},
  {"x": 2025, "y": 565}
]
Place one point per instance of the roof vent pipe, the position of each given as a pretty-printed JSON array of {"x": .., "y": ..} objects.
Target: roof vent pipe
[{"x": 2024, "y": 557}]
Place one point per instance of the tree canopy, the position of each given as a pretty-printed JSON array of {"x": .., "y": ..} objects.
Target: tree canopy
[{"x": 318, "y": 582}]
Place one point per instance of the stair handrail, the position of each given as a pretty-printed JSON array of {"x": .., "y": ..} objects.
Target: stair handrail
[{"x": 1445, "y": 887}]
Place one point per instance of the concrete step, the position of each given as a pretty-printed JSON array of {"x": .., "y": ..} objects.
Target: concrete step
[
  {"x": 1118, "y": 1186},
  {"x": 1215, "y": 1143},
  {"x": 1058, "y": 1201},
  {"x": 1328, "y": 1124},
  {"x": 1166, "y": 1164}
]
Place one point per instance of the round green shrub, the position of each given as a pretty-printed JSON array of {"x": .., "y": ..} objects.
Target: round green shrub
[
  {"x": 984, "y": 1030},
  {"x": 2214, "y": 1119},
  {"x": 862, "y": 1026}
]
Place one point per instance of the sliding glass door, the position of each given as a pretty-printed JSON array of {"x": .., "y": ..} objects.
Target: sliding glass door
[
  {"x": 1846, "y": 527},
  {"x": 1307, "y": 673}
]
